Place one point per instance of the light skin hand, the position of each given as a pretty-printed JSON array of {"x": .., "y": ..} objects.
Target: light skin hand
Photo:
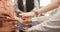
[{"x": 27, "y": 19}]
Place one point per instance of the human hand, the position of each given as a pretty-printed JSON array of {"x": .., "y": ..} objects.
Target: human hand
[
  {"x": 25, "y": 29},
  {"x": 24, "y": 20},
  {"x": 27, "y": 14},
  {"x": 41, "y": 14},
  {"x": 27, "y": 19}
]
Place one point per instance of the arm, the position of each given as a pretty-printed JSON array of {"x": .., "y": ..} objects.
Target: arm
[
  {"x": 51, "y": 25},
  {"x": 49, "y": 7},
  {"x": 45, "y": 9}
]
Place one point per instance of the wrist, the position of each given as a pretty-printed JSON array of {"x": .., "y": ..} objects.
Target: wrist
[
  {"x": 35, "y": 12},
  {"x": 32, "y": 13}
]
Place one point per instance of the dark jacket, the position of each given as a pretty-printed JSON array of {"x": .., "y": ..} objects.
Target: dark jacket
[{"x": 29, "y": 5}]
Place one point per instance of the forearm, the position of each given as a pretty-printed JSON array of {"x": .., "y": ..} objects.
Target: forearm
[{"x": 49, "y": 7}]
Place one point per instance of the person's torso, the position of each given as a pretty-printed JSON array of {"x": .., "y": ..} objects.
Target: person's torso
[{"x": 29, "y": 5}]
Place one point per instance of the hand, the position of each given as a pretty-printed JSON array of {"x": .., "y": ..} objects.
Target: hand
[
  {"x": 41, "y": 14},
  {"x": 27, "y": 14},
  {"x": 25, "y": 29},
  {"x": 20, "y": 20},
  {"x": 27, "y": 19},
  {"x": 24, "y": 20},
  {"x": 24, "y": 14}
]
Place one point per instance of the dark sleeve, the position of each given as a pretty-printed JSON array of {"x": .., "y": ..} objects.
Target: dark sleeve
[
  {"x": 20, "y": 5},
  {"x": 29, "y": 5}
]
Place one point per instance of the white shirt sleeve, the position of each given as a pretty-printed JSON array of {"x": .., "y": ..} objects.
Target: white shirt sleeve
[{"x": 49, "y": 25}]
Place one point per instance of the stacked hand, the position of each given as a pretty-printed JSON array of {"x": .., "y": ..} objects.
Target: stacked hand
[{"x": 26, "y": 18}]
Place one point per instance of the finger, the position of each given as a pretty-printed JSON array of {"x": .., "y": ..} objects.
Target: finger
[
  {"x": 21, "y": 14},
  {"x": 20, "y": 20}
]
